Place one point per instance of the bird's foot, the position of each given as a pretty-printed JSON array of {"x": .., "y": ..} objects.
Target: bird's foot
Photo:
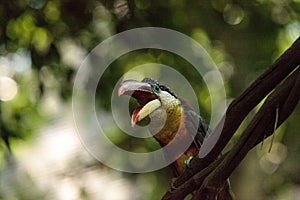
[{"x": 187, "y": 162}]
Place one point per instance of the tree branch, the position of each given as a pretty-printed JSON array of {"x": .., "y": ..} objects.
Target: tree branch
[
  {"x": 262, "y": 124},
  {"x": 285, "y": 98}
]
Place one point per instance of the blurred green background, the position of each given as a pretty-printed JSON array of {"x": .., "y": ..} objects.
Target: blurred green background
[{"x": 42, "y": 44}]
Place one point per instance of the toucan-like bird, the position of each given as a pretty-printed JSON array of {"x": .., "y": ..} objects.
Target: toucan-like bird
[{"x": 172, "y": 119}]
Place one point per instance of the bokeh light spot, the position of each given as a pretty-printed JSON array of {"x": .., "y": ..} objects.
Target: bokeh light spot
[
  {"x": 36, "y": 4},
  {"x": 21, "y": 60},
  {"x": 233, "y": 14},
  {"x": 41, "y": 39},
  {"x": 8, "y": 88},
  {"x": 72, "y": 53},
  {"x": 5, "y": 67},
  {"x": 52, "y": 12}
]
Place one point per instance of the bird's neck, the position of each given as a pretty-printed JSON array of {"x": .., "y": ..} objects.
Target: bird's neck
[{"x": 166, "y": 123}]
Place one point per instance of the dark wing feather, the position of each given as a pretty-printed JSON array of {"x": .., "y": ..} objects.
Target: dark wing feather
[{"x": 194, "y": 123}]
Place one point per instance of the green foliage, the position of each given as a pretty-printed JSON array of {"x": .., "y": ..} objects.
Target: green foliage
[{"x": 52, "y": 38}]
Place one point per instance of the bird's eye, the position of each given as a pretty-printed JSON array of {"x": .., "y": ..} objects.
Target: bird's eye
[{"x": 155, "y": 88}]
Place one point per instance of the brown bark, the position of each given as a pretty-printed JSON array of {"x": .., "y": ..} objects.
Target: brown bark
[{"x": 208, "y": 175}]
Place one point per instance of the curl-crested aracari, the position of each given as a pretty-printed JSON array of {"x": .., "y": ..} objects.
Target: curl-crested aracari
[{"x": 170, "y": 117}]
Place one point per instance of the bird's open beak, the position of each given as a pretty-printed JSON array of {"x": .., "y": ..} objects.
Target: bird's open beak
[{"x": 143, "y": 93}]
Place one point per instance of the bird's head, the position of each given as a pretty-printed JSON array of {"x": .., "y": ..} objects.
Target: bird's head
[{"x": 155, "y": 99}]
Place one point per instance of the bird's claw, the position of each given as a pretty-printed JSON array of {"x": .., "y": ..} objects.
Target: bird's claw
[{"x": 187, "y": 162}]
